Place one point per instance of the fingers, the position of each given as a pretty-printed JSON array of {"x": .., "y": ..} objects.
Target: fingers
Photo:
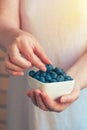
[
  {"x": 44, "y": 102},
  {"x": 36, "y": 99},
  {"x": 61, "y": 103},
  {"x": 14, "y": 73},
  {"x": 29, "y": 59},
  {"x": 17, "y": 59},
  {"x": 25, "y": 52},
  {"x": 53, "y": 105},
  {"x": 10, "y": 65},
  {"x": 31, "y": 94},
  {"x": 48, "y": 102},
  {"x": 36, "y": 56},
  {"x": 12, "y": 68},
  {"x": 36, "y": 62},
  {"x": 40, "y": 101}
]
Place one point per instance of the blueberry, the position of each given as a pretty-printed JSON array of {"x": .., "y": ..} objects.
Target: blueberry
[
  {"x": 54, "y": 80},
  {"x": 67, "y": 78},
  {"x": 58, "y": 70},
  {"x": 37, "y": 77},
  {"x": 64, "y": 74},
  {"x": 31, "y": 73},
  {"x": 49, "y": 67},
  {"x": 48, "y": 78},
  {"x": 43, "y": 74},
  {"x": 53, "y": 74},
  {"x": 42, "y": 79},
  {"x": 60, "y": 78}
]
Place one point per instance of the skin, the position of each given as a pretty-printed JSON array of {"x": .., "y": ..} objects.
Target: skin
[{"x": 23, "y": 51}]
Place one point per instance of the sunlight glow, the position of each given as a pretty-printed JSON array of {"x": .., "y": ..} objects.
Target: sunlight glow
[{"x": 83, "y": 8}]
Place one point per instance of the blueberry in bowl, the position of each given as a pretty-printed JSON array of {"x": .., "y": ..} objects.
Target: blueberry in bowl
[{"x": 55, "y": 81}]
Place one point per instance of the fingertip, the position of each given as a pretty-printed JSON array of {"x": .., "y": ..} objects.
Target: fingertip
[
  {"x": 49, "y": 61},
  {"x": 65, "y": 99},
  {"x": 18, "y": 74},
  {"x": 43, "y": 68},
  {"x": 21, "y": 73}
]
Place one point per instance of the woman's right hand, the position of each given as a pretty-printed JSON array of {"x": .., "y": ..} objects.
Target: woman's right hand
[{"x": 23, "y": 52}]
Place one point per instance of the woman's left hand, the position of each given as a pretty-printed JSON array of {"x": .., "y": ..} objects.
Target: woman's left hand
[{"x": 44, "y": 102}]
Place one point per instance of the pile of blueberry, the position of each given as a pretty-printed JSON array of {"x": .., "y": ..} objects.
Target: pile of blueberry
[{"x": 51, "y": 75}]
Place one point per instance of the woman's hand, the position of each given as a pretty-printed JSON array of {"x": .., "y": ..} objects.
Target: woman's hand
[
  {"x": 23, "y": 52},
  {"x": 44, "y": 102}
]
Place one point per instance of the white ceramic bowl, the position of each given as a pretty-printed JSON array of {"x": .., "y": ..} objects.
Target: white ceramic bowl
[{"x": 55, "y": 89}]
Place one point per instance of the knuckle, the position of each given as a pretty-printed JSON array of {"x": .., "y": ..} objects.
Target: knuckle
[
  {"x": 14, "y": 58},
  {"x": 21, "y": 38},
  {"x": 31, "y": 57},
  {"x": 18, "y": 38}
]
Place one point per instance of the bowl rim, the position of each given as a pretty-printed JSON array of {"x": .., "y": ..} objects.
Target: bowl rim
[{"x": 51, "y": 82}]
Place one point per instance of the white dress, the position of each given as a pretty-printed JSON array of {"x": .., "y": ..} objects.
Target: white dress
[{"x": 60, "y": 26}]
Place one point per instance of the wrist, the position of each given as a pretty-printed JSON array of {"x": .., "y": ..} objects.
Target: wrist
[
  {"x": 79, "y": 83},
  {"x": 7, "y": 35},
  {"x": 73, "y": 75}
]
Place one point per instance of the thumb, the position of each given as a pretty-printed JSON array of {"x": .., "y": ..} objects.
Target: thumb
[{"x": 69, "y": 98}]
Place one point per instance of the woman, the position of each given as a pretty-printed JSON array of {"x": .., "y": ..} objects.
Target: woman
[{"x": 61, "y": 30}]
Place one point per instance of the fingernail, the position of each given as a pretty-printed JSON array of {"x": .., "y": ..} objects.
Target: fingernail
[
  {"x": 21, "y": 73},
  {"x": 44, "y": 68},
  {"x": 64, "y": 99}
]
